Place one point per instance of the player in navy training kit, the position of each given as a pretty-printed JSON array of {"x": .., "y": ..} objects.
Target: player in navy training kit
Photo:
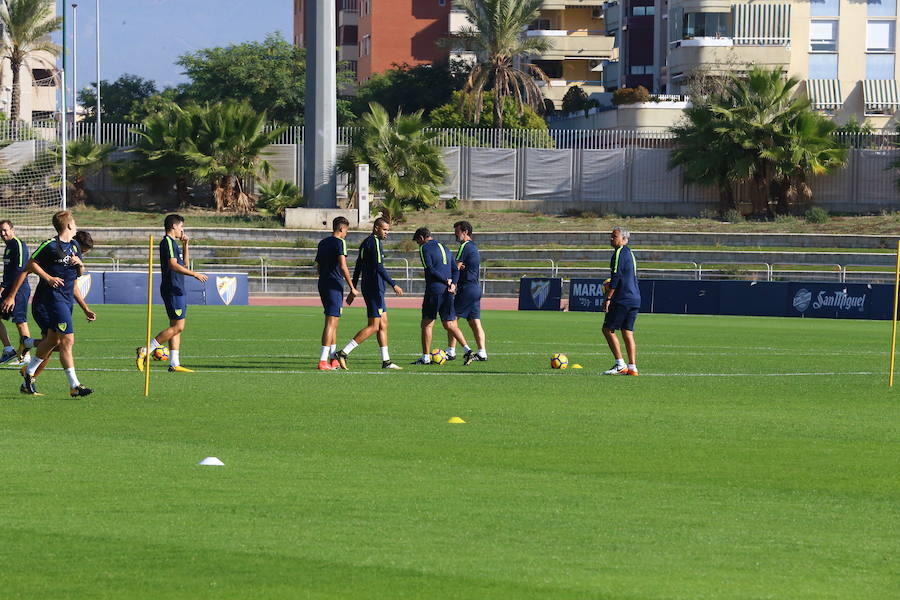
[
  {"x": 622, "y": 303},
  {"x": 468, "y": 293},
  {"x": 331, "y": 266},
  {"x": 14, "y": 258},
  {"x": 172, "y": 267},
  {"x": 370, "y": 265},
  {"x": 58, "y": 264},
  {"x": 441, "y": 276}
]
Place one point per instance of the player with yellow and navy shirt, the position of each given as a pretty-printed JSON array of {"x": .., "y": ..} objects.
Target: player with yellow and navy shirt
[
  {"x": 331, "y": 266},
  {"x": 468, "y": 294},
  {"x": 15, "y": 256}
]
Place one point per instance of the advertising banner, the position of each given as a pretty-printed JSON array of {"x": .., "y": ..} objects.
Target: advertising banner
[{"x": 540, "y": 293}]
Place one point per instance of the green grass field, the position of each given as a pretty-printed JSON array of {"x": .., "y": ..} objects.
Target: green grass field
[{"x": 754, "y": 458}]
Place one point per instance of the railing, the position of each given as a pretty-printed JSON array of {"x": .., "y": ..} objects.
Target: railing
[{"x": 350, "y": 5}]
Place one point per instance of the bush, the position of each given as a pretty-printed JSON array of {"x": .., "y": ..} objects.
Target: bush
[
  {"x": 631, "y": 95},
  {"x": 452, "y": 203},
  {"x": 732, "y": 215},
  {"x": 279, "y": 195},
  {"x": 817, "y": 214},
  {"x": 574, "y": 100}
]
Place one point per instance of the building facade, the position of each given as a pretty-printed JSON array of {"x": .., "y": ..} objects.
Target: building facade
[{"x": 374, "y": 35}]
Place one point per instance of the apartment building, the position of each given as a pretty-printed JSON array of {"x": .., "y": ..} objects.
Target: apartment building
[
  {"x": 374, "y": 35},
  {"x": 580, "y": 49},
  {"x": 843, "y": 50}
]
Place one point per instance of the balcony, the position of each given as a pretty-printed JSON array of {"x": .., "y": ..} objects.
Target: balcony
[
  {"x": 577, "y": 43},
  {"x": 612, "y": 16},
  {"x": 555, "y": 89},
  {"x": 348, "y": 52},
  {"x": 348, "y": 14},
  {"x": 611, "y": 74},
  {"x": 718, "y": 56},
  {"x": 458, "y": 20},
  {"x": 563, "y": 4}
]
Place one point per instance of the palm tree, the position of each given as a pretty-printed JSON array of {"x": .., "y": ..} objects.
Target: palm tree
[
  {"x": 404, "y": 166},
  {"x": 748, "y": 133},
  {"x": 226, "y": 149},
  {"x": 28, "y": 25},
  {"x": 84, "y": 156},
  {"x": 497, "y": 38}
]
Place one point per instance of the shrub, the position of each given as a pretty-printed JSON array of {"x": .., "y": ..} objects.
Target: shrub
[
  {"x": 279, "y": 195},
  {"x": 732, "y": 215},
  {"x": 631, "y": 95},
  {"x": 452, "y": 203},
  {"x": 574, "y": 100},
  {"x": 817, "y": 214}
]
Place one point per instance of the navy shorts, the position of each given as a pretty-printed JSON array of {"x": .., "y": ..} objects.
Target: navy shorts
[
  {"x": 176, "y": 306},
  {"x": 438, "y": 304},
  {"x": 53, "y": 316},
  {"x": 468, "y": 302},
  {"x": 375, "y": 305},
  {"x": 19, "y": 312},
  {"x": 332, "y": 300},
  {"x": 620, "y": 317}
]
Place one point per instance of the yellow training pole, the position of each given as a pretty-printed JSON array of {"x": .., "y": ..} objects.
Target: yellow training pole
[
  {"x": 894, "y": 317},
  {"x": 149, "y": 314}
]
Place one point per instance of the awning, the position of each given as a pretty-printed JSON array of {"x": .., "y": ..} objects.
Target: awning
[
  {"x": 881, "y": 94},
  {"x": 824, "y": 94},
  {"x": 761, "y": 24}
]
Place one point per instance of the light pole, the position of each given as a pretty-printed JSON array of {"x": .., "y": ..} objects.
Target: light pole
[
  {"x": 74, "y": 62},
  {"x": 98, "y": 73}
]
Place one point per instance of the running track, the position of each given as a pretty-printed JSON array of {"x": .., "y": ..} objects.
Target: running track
[{"x": 392, "y": 302}]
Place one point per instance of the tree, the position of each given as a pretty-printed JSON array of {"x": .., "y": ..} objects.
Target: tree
[
  {"x": 269, "y": 75},
  {"x": 404, "y": 166},
  {"x": 226, "y": 150},
  {"x": 749, "y": 133},
  {"x": 574, "y": 100},
  {"x": 497, "y": 39},
  {"x": 515, "y": 124},
  {"x": 83, "y": 157},
  {"x": 28, "y": 25},
  {"x": 119, "y": 99},
  {"x": 410, "y": 88}
]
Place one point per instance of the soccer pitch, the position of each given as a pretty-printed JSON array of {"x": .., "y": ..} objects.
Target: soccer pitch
[{"x": 754, "y": 458}]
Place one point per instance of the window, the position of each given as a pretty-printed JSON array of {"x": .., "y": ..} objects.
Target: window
[
  {"x": 43, "y": 77},
  {"x": 879, "y": 66},
  {"x": 642, "y": 70},
  {"x": 640, "y": 11},
  {"x": 442, "y": 2},
  {"x": 706, "y": 25},
  {"x": 42, "y": 115},
  {"x": 823, "y": 36},
  {"x": 366, "y": 46},
  {"x": 823, "y": 66},
  {"x": 881, "y": 8},
  {"x": 825, "y": 8},
  {"x": 539, "y": 24},
  {"x": 880, "y": 36}
]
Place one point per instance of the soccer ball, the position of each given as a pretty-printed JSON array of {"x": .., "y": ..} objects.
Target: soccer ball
[
  {"x": 438, "y": 356},
  {"x": 161, "y": 353},
  {"x": 559, "y": 361}
]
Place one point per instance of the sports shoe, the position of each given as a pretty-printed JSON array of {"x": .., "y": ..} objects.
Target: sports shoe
[
  {"x": 617, "y": 371},
  {"x": 324, "y": 365},
  {"x": 469, "y": 358},
  {"x": 8, "y": 355},
  {"x": 341, "y": 357},
  {"x": 179, "y": 369},
  {"x": 419, "y": 361},
  {"x": 480, "y": 358},
  {"x": 632, "y": 372},
  {"x": 79, "y": 390},
  {"x": 140, "y": 358},
  {"x": 386, "y": 364},
  {"x": 334, "y": 363},
  {"x": 28, "y": 385},
  {"x": 451, "y": 357}
]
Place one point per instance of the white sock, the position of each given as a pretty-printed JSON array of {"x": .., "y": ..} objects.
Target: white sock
[
  {"x": 34, "y": 364},
  {"x": 451, "y": 351},
  {"x": 29, "y": 342},
  {"x": 154, "y": 344},
  {"x": 620, "y": 362},
  {"x": 174, "y": 359},
  {"x": 632, "y": 367},
  {"x": 331, "y": 349},
  {"x": 385, "y": 355},
  {"x": 482, "y": 353},
  {"x": 73, "y": 379},
  {"x": 325, "y": 352},
  {"x": 466, "y": 349},
  {"x": 426, "y": 358},
  {"x": 8, "y": 349},
  {"x": 349, "y": 347}
]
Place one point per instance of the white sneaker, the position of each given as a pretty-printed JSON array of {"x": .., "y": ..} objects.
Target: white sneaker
[
  {"x": 623, "y": 370},
  {"x": 386, "y": 364}
]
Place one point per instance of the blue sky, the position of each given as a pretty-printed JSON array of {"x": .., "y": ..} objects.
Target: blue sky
[{"x": 145, "y": 37}]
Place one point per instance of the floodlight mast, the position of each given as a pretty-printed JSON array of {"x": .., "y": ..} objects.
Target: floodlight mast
[{"x": 320, "y": 114}]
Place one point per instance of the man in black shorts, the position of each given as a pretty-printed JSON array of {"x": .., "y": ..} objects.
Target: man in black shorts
[{"x": 622, "y": 302}]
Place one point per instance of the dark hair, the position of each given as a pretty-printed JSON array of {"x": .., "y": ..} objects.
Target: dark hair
[
  {"x": 172, "y": 220},
  {"x": 380, "y": 221},
  {"x": 84, "y": 239},
  {"x": 339, "y": 222},
  {"x": 423, "y": 233},
  {"x": 61, "y": 219},
  {"x": 7, "y": 221},
  {"x": 463, "y": 226}
]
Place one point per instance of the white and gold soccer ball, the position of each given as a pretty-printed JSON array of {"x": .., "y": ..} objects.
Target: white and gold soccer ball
[
  {"x": 161, "y": 353},
  {"x": 438, "y": 356},
  {"x": 559, "y": 361}
]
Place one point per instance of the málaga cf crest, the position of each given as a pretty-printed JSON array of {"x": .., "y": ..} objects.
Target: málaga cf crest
[
  {"x": 84, "y": 284},
  {"x": 227, "y": 288},
  {"x": 540, "y": 290}
]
